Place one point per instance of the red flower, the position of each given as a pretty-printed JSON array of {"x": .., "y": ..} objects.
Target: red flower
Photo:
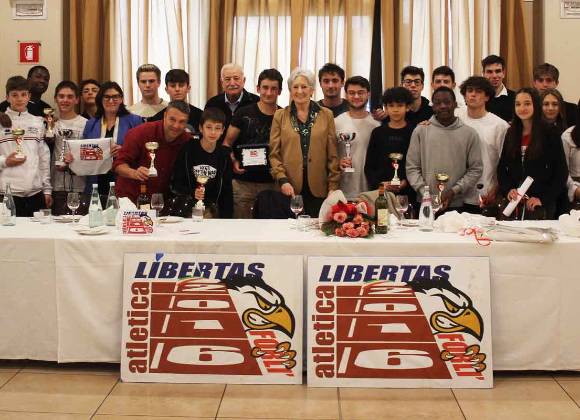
[
  {"x": 348, "y": 208},
  {"x": 352, "y": 233},
  {"x": 348, "y": 225},
  {"x": 339, "y": 217},
  {"x": 357, "y": 220},
  {"x": 365, "y": 225},
  {"x": 339, "y": 232}
]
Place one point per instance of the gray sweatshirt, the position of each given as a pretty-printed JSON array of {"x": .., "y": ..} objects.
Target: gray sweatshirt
[{"x": 454, "y": 150}]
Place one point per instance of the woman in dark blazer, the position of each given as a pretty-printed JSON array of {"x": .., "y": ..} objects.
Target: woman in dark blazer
[{"x": 531, "y": 148}]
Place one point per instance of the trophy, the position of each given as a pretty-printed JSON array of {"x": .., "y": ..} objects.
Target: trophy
[
  {"x": 49, "y": 113},
  {"x": 65, "y": 134},
  {"x": 347, "y": 138},
  {"x": 203, "y": 174},
  {"x": 396, "y": 157},
  {"x": 18, "y": 134},
  {"x": 152, "y": 146},
  {"x": 442, "y": 179}
]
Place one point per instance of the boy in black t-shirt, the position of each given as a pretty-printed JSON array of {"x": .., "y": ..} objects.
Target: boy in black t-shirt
[
  {"x": 249, "y": 136},
  {"x": 204, "y": 155},
  {"x": 393, "y": 137}
]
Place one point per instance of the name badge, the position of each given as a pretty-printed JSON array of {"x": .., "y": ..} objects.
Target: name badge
[{"x": 255, "y": 156}]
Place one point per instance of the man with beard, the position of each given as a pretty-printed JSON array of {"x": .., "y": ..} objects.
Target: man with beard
[
  {"x": 38, "y": 80},
  {"x": 331, "y": 79},
  {"x": 357, "y": 122},
  {"x": 446, "y": 145}
]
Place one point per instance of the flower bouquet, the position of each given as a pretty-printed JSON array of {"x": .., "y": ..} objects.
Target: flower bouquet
[{"x": 340, "y": 218}]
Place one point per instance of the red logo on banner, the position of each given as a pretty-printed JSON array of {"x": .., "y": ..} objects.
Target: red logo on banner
[{"x": 29, "y": 52}]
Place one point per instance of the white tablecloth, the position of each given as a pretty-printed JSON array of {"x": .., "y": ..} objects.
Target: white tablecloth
[{"x": 61, "y": 292}]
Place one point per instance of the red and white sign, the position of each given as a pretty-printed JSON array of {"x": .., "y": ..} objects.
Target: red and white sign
[
  {"x": 399, "y": 322},
  {"x": 212, "y": 318},
  {"x": 29, "y": 52}
]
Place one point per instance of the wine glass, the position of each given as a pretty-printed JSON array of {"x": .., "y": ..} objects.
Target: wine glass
[
  {"x": 73, "y": 202},
  {"x": 296, "y": 205},
  {"x": 157, "y": 203},
  {"x": 402, "y": 207},
  {"x": 435, "y": 203}
]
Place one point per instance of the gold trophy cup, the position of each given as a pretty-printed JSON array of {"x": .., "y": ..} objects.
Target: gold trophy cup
[
  {"x": 49, "y": 114},
  {"x": 18, "y": 134},
  {"x": 347, "y": 139},
  {"x": 442, "y": 179},
  {"x": 396, "y": 157},
  {"x": 151, "y": 147},
  {"x": 202, "y": 175}
]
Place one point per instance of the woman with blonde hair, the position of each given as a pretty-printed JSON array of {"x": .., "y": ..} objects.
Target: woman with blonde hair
[{"x": 303, "y": 154}]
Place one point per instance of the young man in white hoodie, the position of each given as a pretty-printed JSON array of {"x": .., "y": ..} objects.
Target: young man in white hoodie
[{"x": 28, "y": 176}]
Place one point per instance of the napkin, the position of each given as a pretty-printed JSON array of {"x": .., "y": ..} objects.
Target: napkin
[
  {"x": 570, "y": 223},
  {"x": 503, "y": 233},
  {"x": 124, "y": 204},
  {"x": 454, "y": 221}
]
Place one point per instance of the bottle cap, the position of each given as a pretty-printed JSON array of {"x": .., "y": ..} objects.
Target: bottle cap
[
  {"x": 95, "y": 185},
  {"x": 111, "y": 184}
]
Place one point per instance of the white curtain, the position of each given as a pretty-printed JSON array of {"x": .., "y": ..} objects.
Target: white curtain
[
  {"x": 168, "y": 33},
  {"x": 457, "y": 33}
]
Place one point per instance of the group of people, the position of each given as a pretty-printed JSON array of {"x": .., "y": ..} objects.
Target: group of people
[{"x": 255, "y": 155}]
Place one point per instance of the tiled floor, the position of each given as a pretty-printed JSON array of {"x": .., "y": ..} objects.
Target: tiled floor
[{"x": 45, "y": 391}]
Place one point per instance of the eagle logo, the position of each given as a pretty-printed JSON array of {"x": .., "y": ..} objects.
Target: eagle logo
[
  {"x": 269, "y": 309},
  {"x": 460, "y": 316}
]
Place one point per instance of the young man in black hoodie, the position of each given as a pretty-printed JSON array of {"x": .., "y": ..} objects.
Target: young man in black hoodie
[
  {"x": 413, "y": 79},
  {"x": 204, "y": 155}
]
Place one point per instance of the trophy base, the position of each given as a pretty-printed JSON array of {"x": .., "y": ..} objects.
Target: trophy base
[
  {"x": 349, "y": 170},
  {"x": 19, "y": 155},
  {"x": 49, "y": 134},
  {"x": 396, "y": 182},
  {"x": 60, "y": 164},
  {"x": 152, "y": 174}
]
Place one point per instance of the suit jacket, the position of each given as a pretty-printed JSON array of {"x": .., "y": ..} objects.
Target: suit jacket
[
  {"x": 219, "y": 101},
  {"x": 286, "y": 153},
  {"x": 126, "y": 122}
]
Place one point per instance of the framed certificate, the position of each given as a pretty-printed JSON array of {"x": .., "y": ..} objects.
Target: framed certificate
[{"x": 253, "y": 156}]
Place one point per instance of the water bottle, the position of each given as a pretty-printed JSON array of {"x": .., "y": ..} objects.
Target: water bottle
[
  {"x": 426, "y": 212},
  {"x": 95, "y": 209},
  {"x": 8, "y": 208},
  {"x": 112, "y": 207}
]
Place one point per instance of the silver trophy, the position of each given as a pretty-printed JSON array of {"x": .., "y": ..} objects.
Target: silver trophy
[
  {"x": 65, "y": 134},
  {"x": 396, "y": 157},
  {"x": 18, "y": 135},
  {"x": 49, "y": 114},
  {"x": 347, "y": 139},
  {"x": 202, "y": 175},
  {"x": 151, "y": 147}
]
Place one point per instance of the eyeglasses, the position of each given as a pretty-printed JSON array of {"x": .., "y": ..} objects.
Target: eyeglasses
[
  {"x": 409, "y": 82},
  {"x": 112, "y": 97}
]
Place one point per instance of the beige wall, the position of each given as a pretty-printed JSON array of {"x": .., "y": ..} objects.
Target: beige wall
[
  {"x": 48, "y": 31},
  {"x": 561, "y": 48}
]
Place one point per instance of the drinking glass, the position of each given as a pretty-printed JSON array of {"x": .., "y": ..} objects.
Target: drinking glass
[
  {"x": 402, "y": 207},
  {"x": 157, "y": 202},
  {"x": 73, "y": 202},
  {"x": 296, "y": 205}
]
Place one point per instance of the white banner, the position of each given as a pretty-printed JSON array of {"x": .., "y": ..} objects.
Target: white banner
[
  {"x": 212, "y": 318},
  {"x": 406, "y": 322},
  {"x": 91, "y": 156}
]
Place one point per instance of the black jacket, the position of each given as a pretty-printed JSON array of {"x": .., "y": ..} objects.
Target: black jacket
[
  {"x": 549, "y": 170},
  {"x": 219, "y": 101},
  {"x": 503, "y": 106}
]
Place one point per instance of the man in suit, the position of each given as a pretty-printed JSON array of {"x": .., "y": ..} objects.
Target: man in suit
[{"x": 502, "y": 104}]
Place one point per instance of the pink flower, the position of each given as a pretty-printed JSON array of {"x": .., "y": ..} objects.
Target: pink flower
[
  {"x": 348, "y": 225},
  {"x": 362, "y": 232},
  {"x": 339, "y": 232},
  {"x": 357, "y": 220},
  {"x": 352, "y": 233},
  {"x": 365, "y": 225},
  {"x": 339, "y": 217}
]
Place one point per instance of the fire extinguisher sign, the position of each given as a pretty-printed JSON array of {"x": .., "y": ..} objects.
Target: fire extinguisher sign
[{"x": 29, "y": 52}]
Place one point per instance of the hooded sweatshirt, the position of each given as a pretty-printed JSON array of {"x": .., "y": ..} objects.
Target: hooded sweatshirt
[
  {"x": 33, "y": 175},
  {"x": 454, "y": 150}
]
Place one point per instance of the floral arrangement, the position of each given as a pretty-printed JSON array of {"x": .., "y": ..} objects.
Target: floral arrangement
[{"x": 346, "y": 219}]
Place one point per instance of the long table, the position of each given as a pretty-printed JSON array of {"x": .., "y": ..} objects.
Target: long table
[{"x": 61, "y": 292}]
